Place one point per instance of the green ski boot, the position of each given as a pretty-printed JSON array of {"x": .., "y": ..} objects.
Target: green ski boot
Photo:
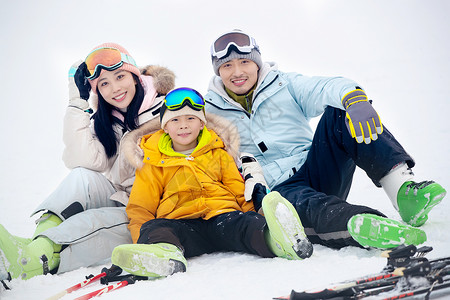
[
  {"x": 383, "y": 233},
  {"x": 26, "y": 260},
  {"x": 153, "y": 260},
  {"x": 415, "y": 200},
  {"x": 285, "y": 235}
]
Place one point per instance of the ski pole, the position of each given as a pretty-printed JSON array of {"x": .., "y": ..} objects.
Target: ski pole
[
  {"x": 113, "y": 271},
  {"x": 77, "y": 286},
  {"x": 107, "y": 289}
]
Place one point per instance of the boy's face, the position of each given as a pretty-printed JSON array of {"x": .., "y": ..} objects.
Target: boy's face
[
  {"x": 239, "y": 75},
  {"x": 184, "y": 131}
]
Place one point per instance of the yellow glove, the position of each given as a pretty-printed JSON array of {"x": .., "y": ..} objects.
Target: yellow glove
[{"x": 362, "y": 120}]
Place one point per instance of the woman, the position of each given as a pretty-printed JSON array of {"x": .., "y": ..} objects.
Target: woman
[{"x": 84, "y": 218}]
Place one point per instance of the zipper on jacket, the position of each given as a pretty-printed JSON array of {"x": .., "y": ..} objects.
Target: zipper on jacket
[
  {"x": 266, "y": 86},
  {"x": 231, "y": 108},
  {"x": 248, "y": 103}
]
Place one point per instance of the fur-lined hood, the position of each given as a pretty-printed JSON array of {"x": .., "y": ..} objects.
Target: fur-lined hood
[
  {"x": 163, "y": 78},
  {"x": 163, "y": 81},
  {"x": 221, "y": 126}
]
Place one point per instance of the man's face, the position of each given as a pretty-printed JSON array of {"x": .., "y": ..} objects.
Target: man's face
[{"x": 239, "y": 75}]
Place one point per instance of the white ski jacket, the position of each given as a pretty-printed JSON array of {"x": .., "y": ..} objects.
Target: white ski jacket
[{"x": 277, "y": 132}]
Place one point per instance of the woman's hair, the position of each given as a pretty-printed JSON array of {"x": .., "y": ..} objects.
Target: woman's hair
[{"x": 104, "y": 120}]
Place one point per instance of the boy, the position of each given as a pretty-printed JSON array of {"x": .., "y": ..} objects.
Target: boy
[{"x": 188, "y": 199}]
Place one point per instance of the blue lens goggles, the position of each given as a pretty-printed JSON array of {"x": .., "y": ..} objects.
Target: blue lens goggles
[{"x": 180, "y": 97}]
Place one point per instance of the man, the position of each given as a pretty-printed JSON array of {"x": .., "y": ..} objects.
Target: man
[{"x": 314, "y": 170}]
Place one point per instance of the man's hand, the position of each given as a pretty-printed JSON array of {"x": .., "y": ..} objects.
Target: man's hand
[{"x": 362, "y": 120}]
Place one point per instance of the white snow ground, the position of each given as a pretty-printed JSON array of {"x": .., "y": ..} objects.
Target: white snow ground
[{"x": 397, "y": 50}]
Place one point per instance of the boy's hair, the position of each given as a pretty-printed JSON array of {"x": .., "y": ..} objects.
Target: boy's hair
[{"x": 166, "y": 114}]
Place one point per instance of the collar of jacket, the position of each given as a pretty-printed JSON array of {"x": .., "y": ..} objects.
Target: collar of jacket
[
  {"x": 223, "y": 128},
  {"x": 165, "y": 143},
  {"x": 244, "y": 100},
  {"x": 157, "y": 147},
  {"x": 148, "y": 101}
]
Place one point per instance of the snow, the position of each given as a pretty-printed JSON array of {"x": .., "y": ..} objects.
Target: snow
[
  {"x": 397, "y": 50},
  {"x": 288, "y": 222}
]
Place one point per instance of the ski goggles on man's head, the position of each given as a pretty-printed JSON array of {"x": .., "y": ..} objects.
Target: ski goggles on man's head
[
  {"x": 241, "y": 41},
  {"x": 106, "y": 58},
  {"x": 181, "y": 97}
]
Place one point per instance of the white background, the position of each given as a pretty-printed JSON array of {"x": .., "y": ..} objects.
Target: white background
[{"x": 397, "y": 50}]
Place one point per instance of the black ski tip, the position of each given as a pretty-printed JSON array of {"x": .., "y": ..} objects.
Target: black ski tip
[
  {"x": 424, "y": 250},
  {"x": 178, "y": 266},
  {"x": 402, "y": 251},
  {"x": 304, "y": 248}
]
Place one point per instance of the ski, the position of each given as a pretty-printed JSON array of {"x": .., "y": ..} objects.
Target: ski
[
  {"x": 403, "y": 262},
  {"x": 396, "y": 258},
  {"x": 438, "y": 279},
  {"x": 358, "y": 291},
  {"x": 409, "y": 286},
  {"x": 414, "y": 293}
]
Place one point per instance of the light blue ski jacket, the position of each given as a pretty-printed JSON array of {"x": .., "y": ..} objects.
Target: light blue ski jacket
[{"x": 277, "y": 132}]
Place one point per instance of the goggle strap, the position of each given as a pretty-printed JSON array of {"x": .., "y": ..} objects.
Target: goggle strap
[
  {"x": 188, "y": 102},
  {"x": 99, "y": 67},
  {"x": 244, "y": 49},
  {"x": 124, "y": 58},
  {"x": 128, "y": 59},
  {"x": 177, "y": 97}
]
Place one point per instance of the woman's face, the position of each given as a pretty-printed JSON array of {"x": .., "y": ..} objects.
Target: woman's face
[{"x": 117, "y": 88}]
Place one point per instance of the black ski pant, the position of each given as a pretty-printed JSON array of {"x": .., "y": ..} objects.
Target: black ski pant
[
  {"x": 320, "y": 188},
  {"x": 232, "y": 231}
]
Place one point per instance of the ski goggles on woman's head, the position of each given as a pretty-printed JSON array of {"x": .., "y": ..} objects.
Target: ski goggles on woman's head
[
  {"x": 241, "y": 41},
  {"x": 180, "y": 97},
  {"x": 109, "y": 59}
]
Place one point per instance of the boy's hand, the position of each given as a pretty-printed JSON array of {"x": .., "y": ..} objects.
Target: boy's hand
[{"x": 255, "y": 184}]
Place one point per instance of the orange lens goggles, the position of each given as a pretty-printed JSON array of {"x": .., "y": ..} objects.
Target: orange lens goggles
[{"x": 105, "y": 58}]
